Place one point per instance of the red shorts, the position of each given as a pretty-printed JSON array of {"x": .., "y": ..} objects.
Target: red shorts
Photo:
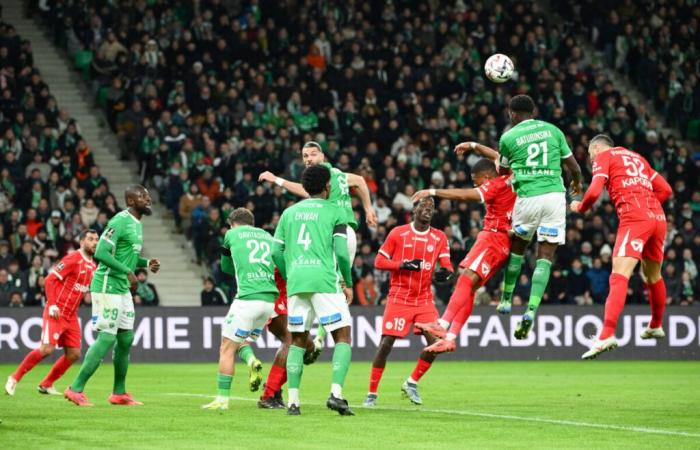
[
  {"x": 398, "y": 319},
  {"x": 641, "y": 239},
  {"x": 489, "y": 253},
  {"x": 281, "y": 302},
  {"x": 60, "y": 332}
]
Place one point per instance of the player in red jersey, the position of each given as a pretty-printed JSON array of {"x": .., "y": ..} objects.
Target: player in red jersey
[
  {"x": 410, "y": 252},
  {"x": 66, "y": 286},
  {"x": 486, "y": 257},
  {"x": 638, "y": 193}
]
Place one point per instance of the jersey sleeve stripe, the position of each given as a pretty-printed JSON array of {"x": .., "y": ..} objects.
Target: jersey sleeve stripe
[
  {"x": 602, "y": 175},
  {"x": 57, "y": 274},
  {"x": 343, "y": 235},
  {"x": 481, "y": 194},
  {"x": 568, "y": 155},
  {"x": 279, "y": 241},
  {"x": 384, "y": 253},
  {"x": 109, "y": 241},
  {"x": 653, "y": 176},
  {"x": 442, "y": 255}
]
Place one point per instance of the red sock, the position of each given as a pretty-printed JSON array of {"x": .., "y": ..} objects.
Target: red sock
[
  {"x": 657, "y": 301},
  {"x": 462, "y": 317},
  {"x": 374, "y": 377},
  {"x": 614, "y": 304},
  {"x": 275, "y": 379},
  {"x": 32, "y": 359},
  {"x": 461, "y": 297},
  {"x": 647, "y": 291},
  {"x": 422, "y": 366},
  {"x": 57, "y": 371}
]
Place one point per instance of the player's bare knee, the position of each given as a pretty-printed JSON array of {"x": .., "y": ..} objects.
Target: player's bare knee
[
  {"x": 546, "y": 250},
  {"x": 72, "y": 354},
  {"x": 651, "y": 270},
  {"x": 299, "y": 339},
  {"x": 46, "y": 349},
  {"x": 228, "y": 347},
  {"x": 342, "y": 335}
]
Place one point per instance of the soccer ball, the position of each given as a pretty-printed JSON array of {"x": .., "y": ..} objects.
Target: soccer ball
[{"x": 499, "y": 68}]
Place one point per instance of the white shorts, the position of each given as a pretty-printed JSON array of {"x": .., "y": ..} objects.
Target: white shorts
[
  {"x": 545, "y": 214},
  {"x": 331, "y": 309},
  {"x": 246, "y": 319},
  {"x": 352, "y": 244},
  {"x": 112, "y": 312}
]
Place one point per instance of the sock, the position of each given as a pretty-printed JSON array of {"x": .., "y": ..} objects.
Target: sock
[
  {"x": 614, "y": 304},
  {"x": 336, "y": 390},
  {"x": 511, "y": 276},
  {"x": 443, "y": 323},
  {"x": 461, "y": 303},
  {"x": 321, "y": 333},
  {"x": 223, "y": 385},
  {"x": 246, "y": 354},
  {"x": 422, "y": 366},
  {"x": 342, "y": 354},
  {"x": 121, "y": 360},
  {"x": 540, "y": 278},
  {"x": 274, "y": 381},
  {"x": 93, "y": 358},
  {"x": 375, "y": 376},
  {"x": 450, "y": 336},
  {"x": 657, "y": 301},
  {"x": 57, "y": 371},
  {"x": 295, "y": 367},
  {"x": 32, "y": 359}
]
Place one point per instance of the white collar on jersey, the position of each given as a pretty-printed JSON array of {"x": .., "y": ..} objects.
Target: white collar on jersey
[
  {"x": 420, "y": 232},
  {"x": 84, "y": 256}
]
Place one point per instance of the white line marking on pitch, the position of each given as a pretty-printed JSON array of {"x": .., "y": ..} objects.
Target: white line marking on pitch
[{"x": 572, "y": 423}]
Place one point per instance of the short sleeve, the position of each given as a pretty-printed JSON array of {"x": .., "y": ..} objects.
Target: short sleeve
[
  {"x": 563, "y": 145},
  {"x": 389, "y": 246},
  {"x": 601, "y": 165}
]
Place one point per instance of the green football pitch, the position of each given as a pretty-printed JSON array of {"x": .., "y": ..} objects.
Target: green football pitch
[{"x": 596, "y": 404}]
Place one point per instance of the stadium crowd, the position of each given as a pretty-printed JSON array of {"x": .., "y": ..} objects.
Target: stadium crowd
[{"x": 207, "y": 96}]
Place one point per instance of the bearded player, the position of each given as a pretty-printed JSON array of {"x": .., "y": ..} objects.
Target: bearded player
[
  {"x": 410, "y": 252},
  {"x": 66, "y": 286},
  {"x": 489, "y": 253},
  {"x": 638, "y": 192},
  {"x": 119, "y": 254}
]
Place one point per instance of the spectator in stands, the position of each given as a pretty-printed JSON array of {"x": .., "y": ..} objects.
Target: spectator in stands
[
  {"x": 211, "y": 294},
  {"x": 146, "y": 293}
]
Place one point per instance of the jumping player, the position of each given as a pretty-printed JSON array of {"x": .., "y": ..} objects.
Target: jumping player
[
  {"x": 638, "y": 193},
  {"x": 410, "y": 252},
  {"x": 66, "y": 286},
  {"x": 489, "y": 253}
]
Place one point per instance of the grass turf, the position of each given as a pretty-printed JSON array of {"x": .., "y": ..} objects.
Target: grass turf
[{"x": 598, "y": 404}]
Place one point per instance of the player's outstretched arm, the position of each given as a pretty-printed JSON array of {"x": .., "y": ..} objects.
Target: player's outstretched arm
[
  {"x": 294, "y": 188},
  {"x": 358, "y": 182},
  {"x": 591, "y": 196},
  {"x": 340, "y": 245},
  {"x": 467, "y": 195},
  {"x": 479, "y": 149}
]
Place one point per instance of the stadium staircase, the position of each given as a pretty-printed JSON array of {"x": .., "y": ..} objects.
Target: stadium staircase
[{"x": 179, "y": 281}]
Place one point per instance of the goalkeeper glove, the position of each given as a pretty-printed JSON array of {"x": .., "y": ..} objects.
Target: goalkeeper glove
[
  {"x": 413, "y": 265},
  {"x": 442, "y": 276}
]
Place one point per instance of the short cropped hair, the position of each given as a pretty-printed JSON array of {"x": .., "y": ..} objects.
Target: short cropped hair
[
  {"x": 522, "y": 104},
  {"x": 241, "y": 216},
  {"x": 603, "y": 138},
  {"x": 314, "y": 179},
  {"x": 484, "y": 165}
]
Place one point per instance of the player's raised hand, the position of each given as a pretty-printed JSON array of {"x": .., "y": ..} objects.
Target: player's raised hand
[
  {"x": 133, "y": 281},
  {"x": 465, "y": 147},
  {"x": 576, "y": 188},
  {"x": 413, "y": 266},
  {"x": 420, "y": 195},
  {"x": 348, "y": 294},
  {"x": 154, "y": 265},
  {"x": 371, "y": 217},
  {"x": 54, "y": 312},
  {"x": 267, "y": 176},
  {"x": 575, "y": 206}
]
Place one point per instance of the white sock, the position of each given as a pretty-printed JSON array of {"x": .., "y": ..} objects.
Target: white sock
[
  {"x": 443, "y": 323},
  {"x": 411, "y": 380},
  {"x": 450, "y": 336},
  {"x": 293, "y": 397},
  {"x": 337, "y": 390},
  {"x": 221, "y": 398}
]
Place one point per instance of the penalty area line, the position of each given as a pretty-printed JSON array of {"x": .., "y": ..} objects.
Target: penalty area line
[{"x": 459, "y": 412}]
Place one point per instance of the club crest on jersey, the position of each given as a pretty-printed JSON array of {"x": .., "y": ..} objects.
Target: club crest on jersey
[
  {"x": 109, "y": 233},
  {"x": 60, "y": 266},
  {"x": 430, "y": 248},
  {"x": 637, "y": 245}
]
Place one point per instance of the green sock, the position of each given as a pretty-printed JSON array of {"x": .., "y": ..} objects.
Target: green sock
[
  {"x": 246, "y": 354},
  {"x": 511, "y": 277},
  {"x": 93, "y": 358},
  {"x": 321, "y": 332},
  {"x": 295, "y": 366},
  {"x": 223, "y": 383},
  {"x": 341, "y": 362},
  {"x": 121, "y": 360},
  {"x": 540, "y": 278}
]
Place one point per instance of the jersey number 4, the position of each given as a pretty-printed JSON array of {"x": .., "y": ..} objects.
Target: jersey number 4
[
  {"x": 259, "y": 252},
  {"x": 304, "y": 237},
  {"x": 534, "y": 151}
]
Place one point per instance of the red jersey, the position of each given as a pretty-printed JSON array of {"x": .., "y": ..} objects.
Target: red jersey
[
  {"x": 499, "y": 199},
  {"x": 68, "y": 281},
  {"x": 404, "y": 243},
  {"x": 630, "y": 183}
]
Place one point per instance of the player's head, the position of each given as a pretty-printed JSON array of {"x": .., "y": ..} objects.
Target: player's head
[
  {"x": 599, "y": 144},
  {"x": 521, "y": 107},
  {"x": 316, "y": 181},
  {"x": 483, "y": 170},
  {"x": 423, "y": 210},
  {"x": 138, "y": 198},
  {"x": 312, "y": 154},
  {"x": 241, "y": 216},
  {"x": 88, "y": 241}
]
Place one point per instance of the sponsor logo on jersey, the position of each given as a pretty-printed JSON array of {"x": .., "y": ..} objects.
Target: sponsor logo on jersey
[{"x": 80, "y": 287}]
